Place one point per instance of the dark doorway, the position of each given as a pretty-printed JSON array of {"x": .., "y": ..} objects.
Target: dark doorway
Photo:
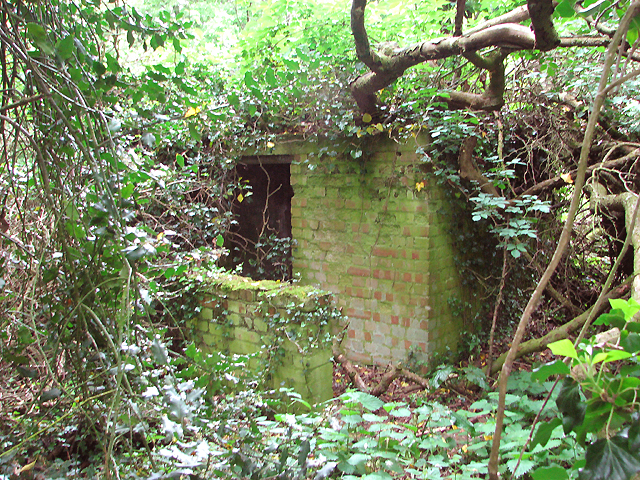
[{"x": 260, "y": 240}]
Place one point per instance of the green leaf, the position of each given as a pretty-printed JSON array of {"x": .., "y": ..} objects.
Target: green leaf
[
  {"x": 191, "y": 351},
  {"x": 377, "y": 476},
  {"x": 114, "y": 125},
  {"x": 366, "y": 400},
  {"x": 463, "y": 423},
  {"x": 564, "y": 348},
  {"x": 594, "y": 8},
  {"x": 596, "y": 416},
  {"x": 270, "y": 77},
  {"x": 65, "y": 47},
  {"x": 127, "y": 190},
  {"x": 631, "y": 343},
  {"x": 180, "y": 160},
  {"x": 358, "y": 459},
  {"x": 544, "y": 431},
  {"x": 553, "y": 472},
  {"x": 305, "y": 448},
  {"x": 135, "y": 253},
  {"x": 614, "y": 318},
  {"x": 610, "y": 356},
  {"x": 25, "y": 337},
  {"x": 249, "y": 81},
  {"x": 565, "y": 9},
  {"x": 99, "y": 68},
  {"x": 570, "y": 405},
  {"x": 148, "y": 140},
  {"x": 159, "y": 351},
  {"x": 50, "y": 394},
  {"x": 38, "y": 34},
  {"x": 629, "y": 307},
  {"x": 633, "y": 327},
  {"x": 543, "y": 372},
  {"x": 233, "y": 100},
  {"x": 400, "y": 412},
  {"x": 610, "y": 459}
]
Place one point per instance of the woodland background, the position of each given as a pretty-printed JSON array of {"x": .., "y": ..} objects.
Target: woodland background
[{"x": 121, "y": 123}]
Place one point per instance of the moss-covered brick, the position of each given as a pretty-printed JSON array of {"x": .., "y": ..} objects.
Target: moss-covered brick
[
  {"x": 272, "y": 314},
  {"x": 203, "y": 324},
  {"x": 246, "y": 335},
  {"x": 243, "y": 347},
  {"x": 211, "y": 340}
]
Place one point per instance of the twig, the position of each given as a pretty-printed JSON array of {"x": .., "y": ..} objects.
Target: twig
[{"x": 496, "y": 309}]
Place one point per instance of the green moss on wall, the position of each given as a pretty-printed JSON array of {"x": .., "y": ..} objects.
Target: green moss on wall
[{"x": 288, "y": 328}]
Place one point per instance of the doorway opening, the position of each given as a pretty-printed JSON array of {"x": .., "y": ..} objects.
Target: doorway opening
[{"x": 259, "y": 241}]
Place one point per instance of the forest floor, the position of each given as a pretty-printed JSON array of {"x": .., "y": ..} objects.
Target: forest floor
[{"x": 24, "y": 413}]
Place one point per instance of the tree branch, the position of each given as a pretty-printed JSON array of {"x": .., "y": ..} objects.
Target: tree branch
[
  {"x": 539, "y": 344},
  {"x": 563, "y": 241},
  {"x": 385, "y": 69},
  {"x": 468, "y": 170},
  {"x": 460, "y": 8},
  {"x": 560, "y": 181},
  {"x": 542, "y": 23},
  {"x": 502, "y": 32}
]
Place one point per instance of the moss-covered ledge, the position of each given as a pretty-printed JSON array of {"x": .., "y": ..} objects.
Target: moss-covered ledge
[{"x": 291, "y": 326}]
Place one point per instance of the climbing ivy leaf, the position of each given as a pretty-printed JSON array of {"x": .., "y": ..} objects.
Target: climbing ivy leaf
[
  {"x": 611, "y": 459},
  {"x": 570, "y": 405},
  {"x": 614, "y": 318},
  {"x": 554, "y": 472},
  {"x": 631, "y": 343}
]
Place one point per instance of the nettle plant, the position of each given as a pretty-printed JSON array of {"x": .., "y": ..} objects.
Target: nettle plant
[{"x": 600, "y": 396}]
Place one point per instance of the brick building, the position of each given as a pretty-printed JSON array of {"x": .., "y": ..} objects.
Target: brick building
[{"x": 377, "y": 232}]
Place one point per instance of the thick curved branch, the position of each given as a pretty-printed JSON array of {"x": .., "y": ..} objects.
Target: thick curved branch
[
  {"x": 502, "y": 32},
  {"x": 387, "y": 68},
  {"x": 542, "y": 23},
  {"x": 468, "y": 170},
  {"x": 363, "y": 49}
]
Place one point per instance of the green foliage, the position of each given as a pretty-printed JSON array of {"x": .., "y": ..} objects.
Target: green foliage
[
  {"x": 600, "y": 396},
  {"x": 511, "y": 231}
]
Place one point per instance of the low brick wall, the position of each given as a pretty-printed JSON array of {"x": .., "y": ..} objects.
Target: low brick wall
[{"x": 290, "y": 325}]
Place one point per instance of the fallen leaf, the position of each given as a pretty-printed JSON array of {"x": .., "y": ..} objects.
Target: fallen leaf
[
  {"x": 192, "y": 111},
  {"x": 27, "y": 467}
]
